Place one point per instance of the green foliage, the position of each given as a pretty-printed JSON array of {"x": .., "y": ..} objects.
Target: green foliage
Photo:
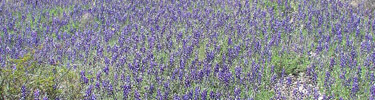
[
  {"x": 264, "y": 95},
  {"x": 293, "y": 63},
  {"x": 26, "y": 71}
]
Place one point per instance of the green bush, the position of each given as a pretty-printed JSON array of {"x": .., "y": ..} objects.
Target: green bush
[
  {"x": 27, "y": 72},
  {"x": 292, "y": 62}
]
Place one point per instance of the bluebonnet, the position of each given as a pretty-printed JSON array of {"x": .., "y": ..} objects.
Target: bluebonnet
[
  {"x": 176, "y": 97},
  {"x": 89, "y": 91},
  {"x": 237, "y": 93},
  {"x": 23, "y": 91},
  {"x": 159, "y": 95},
  {"x": 212, "y": 95},
  {"x": 289, "y": 81},
  {"x": 93, "y": 97},
  {"x": 204, "y": 94},
  {"x": 355, "y": 86},
  {"x": 136, "y": 95},
  {"x": 197, "y": 93},
  {"x": 45, "y": 98},
  {"x": 97, "y": 85},
  {"x": 327, "y": 80},
  {"x": 372, "y": 92},
  {"x": 98, "y": 76},
  {"x": 126, "y": 91},
  {"x": 83, "y": 77},
  {"x": 151, "y": 89},
  {"x": 36, "y": 94},
  {"x": 332, "y": 63}
]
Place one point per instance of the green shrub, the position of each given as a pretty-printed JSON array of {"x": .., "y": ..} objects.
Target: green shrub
[
  {"x": 292, "y": 62},
  {"x": 27, "y": 72}
]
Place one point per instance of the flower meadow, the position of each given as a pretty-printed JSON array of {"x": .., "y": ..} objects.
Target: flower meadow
[{"x": 186, "y": 50}]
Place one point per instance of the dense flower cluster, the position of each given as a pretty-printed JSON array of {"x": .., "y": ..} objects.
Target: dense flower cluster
[{"x": 189, "y": 49}]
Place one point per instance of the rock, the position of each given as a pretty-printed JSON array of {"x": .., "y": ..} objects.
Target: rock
[
  {"x": 354, "y": 3},
  {"x": 300, "y": 84},
  {"x": 366, "y": 4},
  {"x": 87, "y": 19}
]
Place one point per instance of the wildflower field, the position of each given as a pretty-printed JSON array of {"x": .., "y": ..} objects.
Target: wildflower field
[{"x": 187, "y": 50}]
